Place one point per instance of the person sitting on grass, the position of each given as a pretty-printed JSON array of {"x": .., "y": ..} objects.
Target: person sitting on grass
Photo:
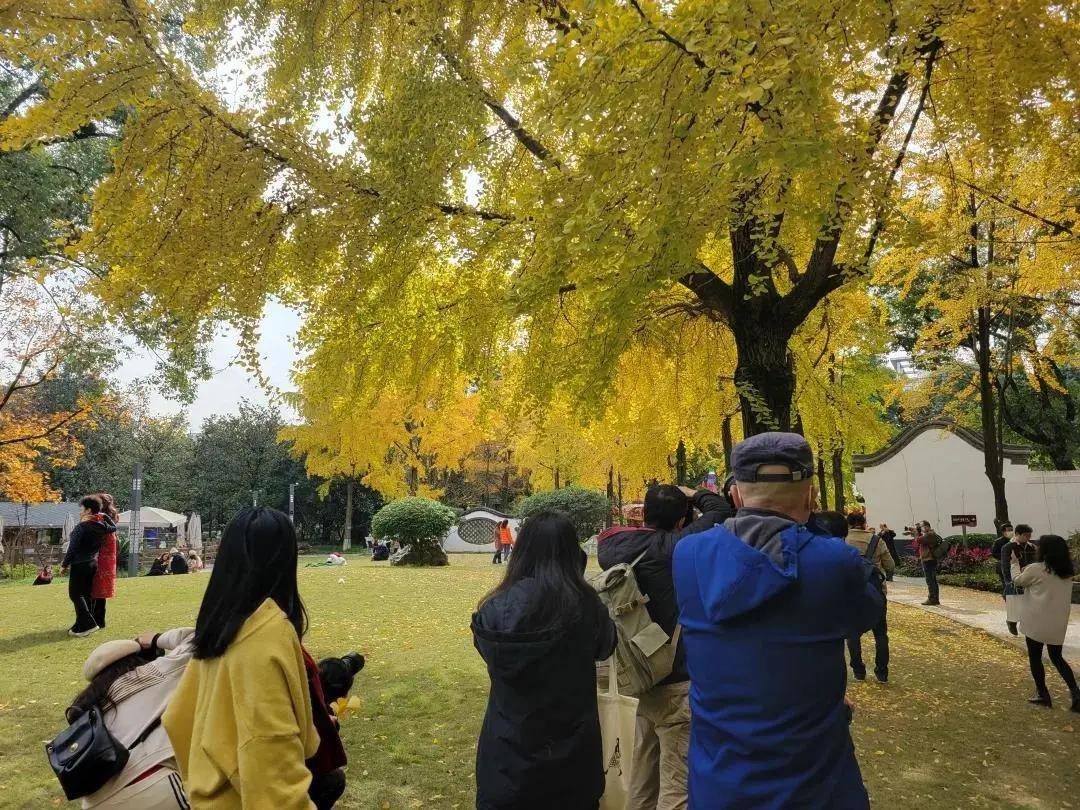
[
  {"x": 131, "y": 682},
  {"x": 44, "y": 576},
  {"x": 177, "y": 563},
  {"x": 160, "y": 566},
  {"x": 540, "y": 633},
  {"x": 1044, "y": 612}
]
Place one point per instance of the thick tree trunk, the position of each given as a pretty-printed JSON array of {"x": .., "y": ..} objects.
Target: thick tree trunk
[
  {"x": 726, "y": 439},
  {"x": 346, "y": 539},
  {"x": 680, "y": 463},
  {"x": 764, "y": 376},
  {"x": 557, "y": 478},
  {"x": 423, "y": 553},
  {"x": 610, "y": 496},
  {"x": 992, "y": 460},
  {"x": 823, "y": 491},
  {"x": 838, "y": 478}
]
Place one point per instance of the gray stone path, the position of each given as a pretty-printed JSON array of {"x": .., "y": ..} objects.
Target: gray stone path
[{"x": 982, "y": 610}]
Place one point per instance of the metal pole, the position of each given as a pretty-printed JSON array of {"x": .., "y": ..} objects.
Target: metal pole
[
  {"x": 292, "y": 503},
  {"x": 134, "y": 528}
]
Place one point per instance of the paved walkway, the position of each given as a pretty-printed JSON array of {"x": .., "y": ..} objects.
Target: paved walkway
[{"x": 979, "y": 609}]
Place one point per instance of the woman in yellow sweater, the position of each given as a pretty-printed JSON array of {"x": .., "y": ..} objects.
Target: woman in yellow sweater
[{"x": 240, "y": 720}]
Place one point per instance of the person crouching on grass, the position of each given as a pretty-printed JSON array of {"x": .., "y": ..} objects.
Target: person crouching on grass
[
  {"x": 540, "y": 633},
  {"x": 241, "y": 719}
]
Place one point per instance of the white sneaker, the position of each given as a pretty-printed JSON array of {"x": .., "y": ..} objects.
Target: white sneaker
[{"x": 84, "y": 633}]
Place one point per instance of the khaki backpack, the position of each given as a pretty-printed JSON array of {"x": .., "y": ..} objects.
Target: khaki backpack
[{"x": 644, "y": 653}]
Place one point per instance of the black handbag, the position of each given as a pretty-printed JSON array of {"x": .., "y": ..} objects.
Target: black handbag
[{"x": 86, "y": 755}]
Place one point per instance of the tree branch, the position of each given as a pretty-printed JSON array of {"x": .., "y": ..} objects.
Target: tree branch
[
  {"x": 48, "y": 431},
  {"x": 274, "y": 155},
  {"x": 1057, "y": 227},
  {"x": 711, "y": 290},
  {"x": 696, "y": 57},
  {"x": 524, "y": 137},
  {"x": 36, "y": 88}
]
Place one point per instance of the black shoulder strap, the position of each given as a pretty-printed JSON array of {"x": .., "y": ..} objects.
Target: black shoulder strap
[
  {"x": 146, "y": 732},
  {"x": 871, "y": 547}
]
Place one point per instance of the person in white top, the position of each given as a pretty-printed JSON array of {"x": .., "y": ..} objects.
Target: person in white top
[
  {"x": 131, "y": 682},
  {"x": 1044, "y": 612}
]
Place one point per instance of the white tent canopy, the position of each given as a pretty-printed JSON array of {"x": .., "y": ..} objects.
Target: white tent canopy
[{"x": 151, "y": 517}]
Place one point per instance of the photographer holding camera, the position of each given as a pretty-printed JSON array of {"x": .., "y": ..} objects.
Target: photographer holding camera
[
  {"x": 328, "y": 680},
  {"x": 663, "y": 724}
]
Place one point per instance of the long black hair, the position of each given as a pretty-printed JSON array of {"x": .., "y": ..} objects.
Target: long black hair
[
  {"x": 97, "y": 692},
  {"x": 255, "y": 561},
  {"x": 548, "y": 551},
  {"x": 1054, "y": 552}
]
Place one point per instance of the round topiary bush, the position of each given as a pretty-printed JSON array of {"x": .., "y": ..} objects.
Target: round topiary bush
[
  {"x": 586, "y": 508},
  {"x": 417, "y": 523}
]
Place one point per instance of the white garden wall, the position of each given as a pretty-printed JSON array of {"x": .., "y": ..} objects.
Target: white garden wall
[{"x": 935, "y": 470}]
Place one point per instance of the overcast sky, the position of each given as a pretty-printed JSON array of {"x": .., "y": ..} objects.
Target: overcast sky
[{"x": 222, "y": 393}]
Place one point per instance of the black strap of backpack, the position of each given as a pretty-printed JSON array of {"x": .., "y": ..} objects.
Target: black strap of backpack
[
  {"x": 871, "y": 547},
  {"x": 146, "y": 732}
]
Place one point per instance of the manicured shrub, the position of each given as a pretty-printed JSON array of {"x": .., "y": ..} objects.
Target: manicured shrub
[
  {"x": 419, "y": 523},
  {"x": 973, "y": 540},
  {"x": 586, "y": 508}
]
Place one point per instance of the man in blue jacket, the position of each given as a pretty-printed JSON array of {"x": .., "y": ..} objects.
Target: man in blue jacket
[{"x": 766, "y": 606}]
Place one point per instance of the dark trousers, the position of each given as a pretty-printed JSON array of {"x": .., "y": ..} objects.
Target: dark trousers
[
  {"x": 98, "y": 609},
  {"x": 497, "y": 559},
  {"x": 1038, "y": 671},
  {"x": 881, "y": 649},
  {"x": 80, "y": 583},
  {"x": 930, "y": 572},
  {"x": 326, "y": 788}
]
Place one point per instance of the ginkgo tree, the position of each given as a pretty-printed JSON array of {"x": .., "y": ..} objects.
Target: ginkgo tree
[
  {"x": 991, "y": 248},
  {"x": 437, "y": 183}
]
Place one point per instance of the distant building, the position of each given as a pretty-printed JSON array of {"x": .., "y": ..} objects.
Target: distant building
[
  {"x": 934, "y": 470},
  {"x": 27, "y": 526}
]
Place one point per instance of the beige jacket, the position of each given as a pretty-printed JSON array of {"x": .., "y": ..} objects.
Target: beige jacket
[
  {"x": 860, "y": 539},
  {"x": 1045, "y": 604},
  {"x": 141, "y": 697}
]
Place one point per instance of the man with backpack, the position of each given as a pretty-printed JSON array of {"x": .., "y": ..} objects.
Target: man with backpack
[
  {"x": 650, "y": 657},
  {"x": 766, "y": 605},
  {"x": 931, "y": 550},
  {"x": 872, "y": 548}
]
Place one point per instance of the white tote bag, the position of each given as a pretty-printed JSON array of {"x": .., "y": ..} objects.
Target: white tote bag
[{"x": 618, "y": 722}]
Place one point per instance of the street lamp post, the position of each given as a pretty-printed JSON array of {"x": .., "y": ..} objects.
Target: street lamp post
[
  {"x": 134, "y": 529},
  {"x": 292, "y": 503}
]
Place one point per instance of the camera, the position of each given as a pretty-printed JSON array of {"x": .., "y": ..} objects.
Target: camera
[{"x": 337, "y": 674}]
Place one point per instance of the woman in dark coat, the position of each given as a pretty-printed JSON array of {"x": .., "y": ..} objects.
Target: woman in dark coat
[{"x": 540, "y": 633}]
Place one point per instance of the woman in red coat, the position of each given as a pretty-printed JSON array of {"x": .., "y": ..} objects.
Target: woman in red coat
[{"x": 105, "y": 578}]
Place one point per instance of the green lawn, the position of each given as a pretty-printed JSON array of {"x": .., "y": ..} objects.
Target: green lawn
[{"x": 952, "y": 730}]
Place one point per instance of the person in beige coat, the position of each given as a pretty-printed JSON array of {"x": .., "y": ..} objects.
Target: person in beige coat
[
  {"x": 873, "y": 548},
  {"x": 131, "y": 682},
  {"x": 1044, "y": 612}
]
